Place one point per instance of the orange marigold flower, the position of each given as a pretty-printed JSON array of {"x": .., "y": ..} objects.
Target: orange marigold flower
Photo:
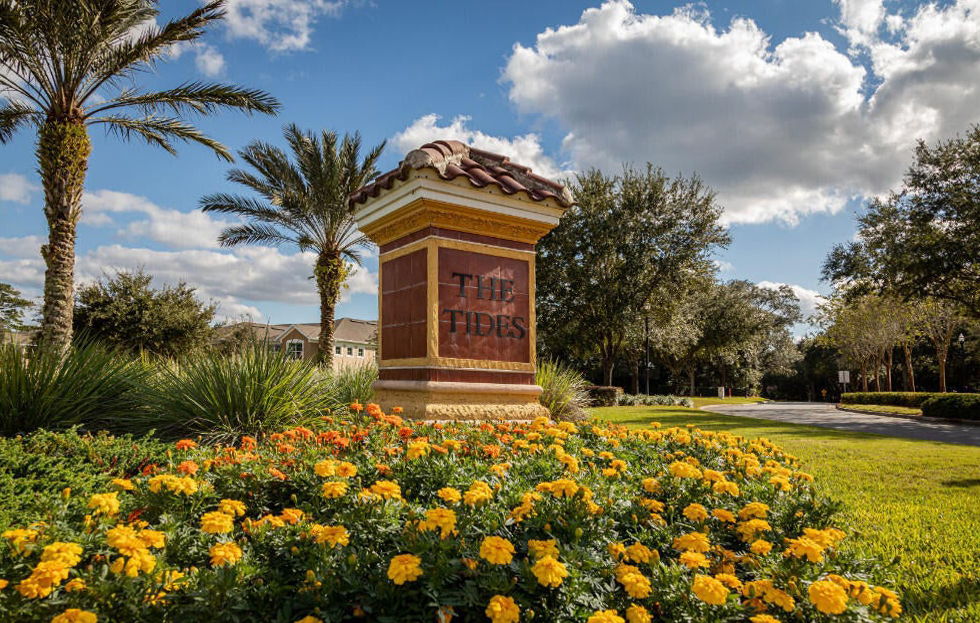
[{"x": 186, "y": 444}]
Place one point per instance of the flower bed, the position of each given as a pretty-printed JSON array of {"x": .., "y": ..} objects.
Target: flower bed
[{"x": 371, "y": 518}]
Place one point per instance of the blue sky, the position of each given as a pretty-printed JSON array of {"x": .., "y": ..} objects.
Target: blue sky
[{"x": 793, "y": 111}]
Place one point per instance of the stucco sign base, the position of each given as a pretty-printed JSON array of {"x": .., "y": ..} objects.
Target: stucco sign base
[{"x": 431, "y": 400}]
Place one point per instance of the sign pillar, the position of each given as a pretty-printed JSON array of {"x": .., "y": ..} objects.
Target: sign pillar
[{"x": 456, "y": 229}]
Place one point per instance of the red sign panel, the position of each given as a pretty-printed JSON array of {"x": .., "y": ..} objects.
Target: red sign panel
[{"x": 484, "y": 306}]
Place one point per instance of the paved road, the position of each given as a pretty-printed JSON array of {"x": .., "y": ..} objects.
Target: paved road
[{"x": 826, "y": 416}]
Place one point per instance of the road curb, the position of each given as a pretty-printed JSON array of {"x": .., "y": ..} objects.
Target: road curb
[{"x": 914, "y": 418}]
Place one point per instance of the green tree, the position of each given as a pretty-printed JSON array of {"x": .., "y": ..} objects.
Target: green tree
[
  {"x": 304, "y": 202},
  {"x": 628, "y": 237},
  {"x": 938, "y": 321},
  {"x": 65, "y": 66},
  {"x": 924, "y": 240},
  {"x": 126, "y": 312},
  {"x": 12, "y": 308}
]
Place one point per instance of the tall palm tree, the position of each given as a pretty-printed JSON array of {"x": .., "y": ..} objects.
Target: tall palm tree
[
  {"x": 304, "y": 203},
  {"x": 66, "y": 65}
]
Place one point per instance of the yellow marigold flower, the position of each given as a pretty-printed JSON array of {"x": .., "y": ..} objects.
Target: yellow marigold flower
[
  {"x": 695, "y": 512},
  {"x": 442, "y": 519},
  {"x": 712, "y": 475},
  {"x": 173, "y": 484},
  {"x": 502, "y": 609},
  {"x": 4, "y": 584},
  {"x": 387, "y": 489},
  {"x": 152, "y": 538},
  {"x": 638, "y": 614},
  {"x": 125, "y": 539},
  {"x": 346, "y": 470},
  {"x": 729, "y": 580},
  {"x": 606, "y": 616},
  {"x": 404, "y": 568},
  {"x": 104, "y": 503},
  {"x": 334, "y": 489},
  {"x": 760, "y": 547},
  {"x": 292, "y": 516},
  {"x": 20, "y": 538},
  {"x": 748, "y": 530},
  {"x": 141, "y": 560},
  {"x": 68, "y": 553},
  {"x": 74, "y": 615},
  {"x": 496, "y": 550},
  {"x": 549, "y": 571},
  {"x": 43, "y": 579},
  {"x": 561, "y": 488},
  {"x": 478, "y": 493},
  {"x": 331, "y": 535},
  {"x": 325, "y": 468},
  {"x": 123, "y": 484},
  {"x": 723, "y": 515},
  {"x": 638, "y": 552},
  {"x": 539, "y": 549},
  {"x": 654, "y": 506},
  {"x": 693, "y": 560},
  {"x": 763, "y": 618},
  {"x": 709, "y": 590},
  {"x": 636, "y": 584},
  {"x": 309, "y": 619},
  {"x": 223, "y": 554},
  {"x": 217, "y": 522},
  {"x": 756, "y": 510},
  {"x": 693, "y": 542},
  {"x": 75, "y": 584},
  {"x": 650, "y": 485},
  {"x": 825, "y": 538},
  {"x": 828, "y": 597},
  {"x": 616, "y": 549},
  {"x": 680, "y": 469},
  {"x": 232, "y": 507},
  {"x": 804, "y": 548},
  {"x": 417, "y": 449},
  {"x": 726, "y": 486},
  {"x": 449, "y": 494}
]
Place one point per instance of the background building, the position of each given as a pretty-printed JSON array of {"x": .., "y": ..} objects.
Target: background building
[{"x": 355, "y": 341}]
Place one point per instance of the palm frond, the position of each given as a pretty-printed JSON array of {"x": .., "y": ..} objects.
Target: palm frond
[
  {"x": 12, "y": 116},
  {"x": 161, "y": 131},
  {"x": 202, "y": 98},
  {"x": 254, "y": 233}
]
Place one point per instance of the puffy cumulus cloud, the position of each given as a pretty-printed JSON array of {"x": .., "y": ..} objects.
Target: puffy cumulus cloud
[
  {"x": 810, "y": 300},
  {"x": 243, "y": 274},
  {"x": 183, "y": 230},
  {"x": 780, "y": 129},
  {"x": 209, "y": 61},
  {"x": 525, "y": 149},
  {"x": 16, "y": 187},
  {"x": 279, "y": 25}
]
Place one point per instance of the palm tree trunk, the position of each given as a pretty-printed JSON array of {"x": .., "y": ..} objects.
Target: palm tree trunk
[
  {"x": 330, "y": 273},
  {"x": 62, "y": 154}
]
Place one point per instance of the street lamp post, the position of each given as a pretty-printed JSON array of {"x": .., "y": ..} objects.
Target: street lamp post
[{"x": 962, "y": 340}]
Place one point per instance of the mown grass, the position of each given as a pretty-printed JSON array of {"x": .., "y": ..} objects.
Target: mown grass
[
  {"x": 884, "y": 409},
  {"x": 704, "y": 401},
  {"x": 914, "y": 504}
]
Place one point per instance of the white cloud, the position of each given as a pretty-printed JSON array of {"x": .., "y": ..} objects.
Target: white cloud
[
  {"x": 23, "y": 247},
  {"x": 525, "y": 149},
  {"x": 279, "y": 25},
  {"x": 780, "y": 129},
  {"x": 15, "y": 187},
  {"x": 209, "y": 61},
  {"x": 810, "y": 300},
  {"x": 183, "y": 230},
  {"x": 724, "y": 267}
]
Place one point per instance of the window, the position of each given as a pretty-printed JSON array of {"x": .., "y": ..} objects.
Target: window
[
  {"x": 336, "y": 350},
  {"x": 360, "y": 352},
  {"x": 294, "y": 349},
  {"x": 350, "y": 351}
]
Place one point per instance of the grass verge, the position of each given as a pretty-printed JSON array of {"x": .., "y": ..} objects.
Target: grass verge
[
  {"x": 884, "y": 409},
  {"x": 704, "y": 401},
  {"x": 914, "y": 503}
]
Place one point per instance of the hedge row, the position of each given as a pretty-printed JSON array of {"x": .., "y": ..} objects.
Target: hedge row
[
  {"x": 895, "y": 399},
  {"x": 954, "y": 406}
]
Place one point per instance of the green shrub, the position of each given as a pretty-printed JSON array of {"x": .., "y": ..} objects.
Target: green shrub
[
  {"x": 354, "y": 383},
  {"x": 221, "y": 397},
  {"x": 954, "y": 406},
  {"x": 643, "y": 400},
  {"x": 35, "y": 469},
  {"x": 564, "y": 393},
  {"x": 897, "y": 399},
  {"x": 603, "y": 395},
  {"x": 89, "y": 385}
]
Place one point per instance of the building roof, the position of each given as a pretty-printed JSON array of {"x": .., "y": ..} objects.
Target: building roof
[
  {"x": 344, "y": 330},
  {"x": 453, "y": 159}
]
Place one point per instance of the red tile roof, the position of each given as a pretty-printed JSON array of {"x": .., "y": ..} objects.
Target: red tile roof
[{"x": 452, "y": 159}]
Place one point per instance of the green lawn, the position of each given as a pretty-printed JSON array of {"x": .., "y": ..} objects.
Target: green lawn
[
  {"x": 703, "y": 401},
  {"x": 912, "y": 504},
  {"x": 885, "y": 409}
]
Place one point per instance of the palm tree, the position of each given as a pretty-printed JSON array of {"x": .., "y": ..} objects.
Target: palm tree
[
  {"x": 304, "y": 203},
  {"x": 66, "y": 65}
]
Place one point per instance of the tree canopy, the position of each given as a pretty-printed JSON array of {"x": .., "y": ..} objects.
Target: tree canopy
[{"x": 12, "y": 308}]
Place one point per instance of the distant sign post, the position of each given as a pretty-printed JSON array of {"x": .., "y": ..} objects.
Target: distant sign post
[{"x": 844, "y": 378}]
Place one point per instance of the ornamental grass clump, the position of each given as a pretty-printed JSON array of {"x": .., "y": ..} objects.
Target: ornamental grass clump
[{"x": 369, "y": 517}]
